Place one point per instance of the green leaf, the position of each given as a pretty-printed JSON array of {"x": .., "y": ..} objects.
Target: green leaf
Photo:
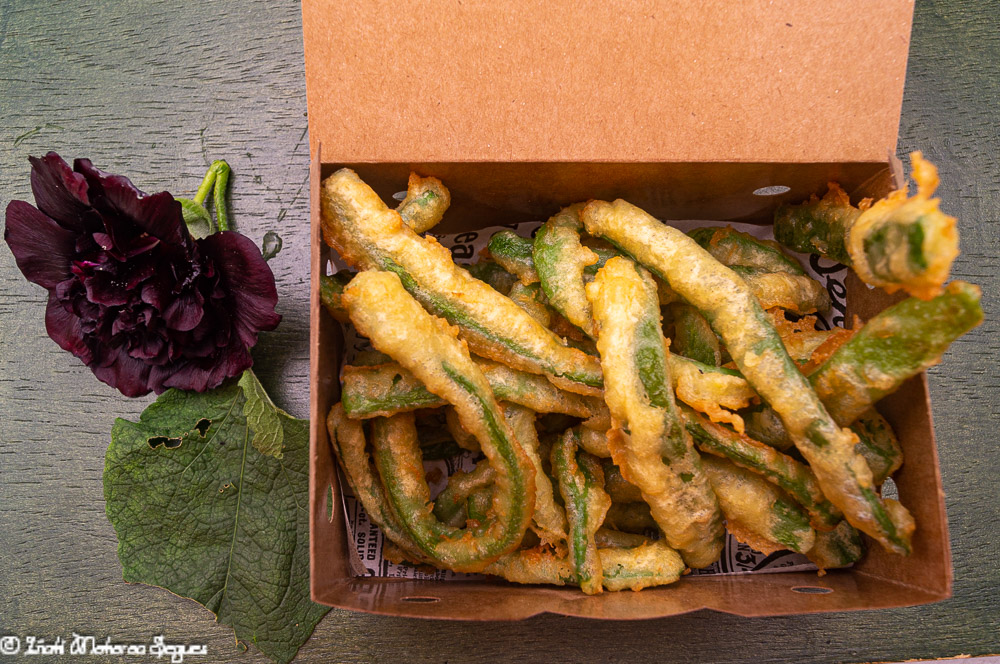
[
  {"x": 263, "y": 416},
  {"x": 211, "y": 518},
  {"x": 198, "y": 221}
]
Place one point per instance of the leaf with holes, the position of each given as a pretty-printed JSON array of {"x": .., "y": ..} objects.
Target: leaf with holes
[{"x": 201, "y": 512}]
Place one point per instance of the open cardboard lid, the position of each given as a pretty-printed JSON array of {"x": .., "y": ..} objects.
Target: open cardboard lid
[{"x": 478, "y": 80}]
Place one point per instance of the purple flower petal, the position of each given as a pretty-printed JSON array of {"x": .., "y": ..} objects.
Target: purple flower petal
[
  {"x": 156, "y": 215},
  {"x": 64, "y": 328},
  {"x": 246, "y": 276},
  {"x": 185, "y": 312},
  {"x": 124, "y": 373},
  {"x": 59, "y": 192},
  {"x": 41, "y": 247}
]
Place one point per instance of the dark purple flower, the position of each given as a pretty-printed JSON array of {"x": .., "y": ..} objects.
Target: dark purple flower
[{"x": 131, "y": 293}]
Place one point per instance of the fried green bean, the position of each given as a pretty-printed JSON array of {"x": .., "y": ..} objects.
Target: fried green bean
[
  {"x": 710, "y": 390},
  {"x": 753, "y": 504},
  {"x": 560, "y": 261},
  {"x": 785, "y": 472},
  {"x": 894, "y": 345},
  {"x": 630, "y": 518},
  {"x": 634, "y": 568},
  {"x": 581, "y": 486},
  {"x": 450, "y": 503},
  {"x": 549, "y": 519},
  {"x": 425, "y": 203},
  {"x": 620, "y": 489},
  {"x": 397, "y": 325},
  {"x": 878, "y": 444},
  {"x": 693, "y": 336},
  {"x": 347, "y": 438},
  {"x": 730, "y": 307},
  {"x": 368, "y": 235},
  {"x": 532, "y": 299},
  {"x": 462, "y": 438},
  {"x": 609, "y": 537},
  {"x": 898, "y": 243},
  {"x": 776, "y": 279},
  {"x": 835, "y": 548},
  {"x": 498, "y": 278},
  {"x": 331, "y": 287},
  {"x": 595, "y": 441},
  {"x": 513, "y": 253},
  {"x": 732, "y": 247},
  {"x": 656, "y": 454},
  {"x": 387, "y": 389}
]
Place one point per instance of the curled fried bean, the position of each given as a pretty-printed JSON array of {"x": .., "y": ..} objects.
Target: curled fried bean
[
  {"x": 370, "y": 236},
  {"x": 753, "y": 504},
  {"x": 425, "y": 203},
  {"x": 898, "y": 243},
  {"x": 730, "y": 307},
  {"x": 397, "y": 325},
  {"x": 449, "y": 505},
  {"x": 656, "y": 454}
]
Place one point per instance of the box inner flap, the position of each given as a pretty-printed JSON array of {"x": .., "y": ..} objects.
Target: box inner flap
[{"x": 764, "y": 80}]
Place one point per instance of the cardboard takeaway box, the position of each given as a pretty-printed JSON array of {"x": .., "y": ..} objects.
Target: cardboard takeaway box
[{"x": 683, "y": 108}]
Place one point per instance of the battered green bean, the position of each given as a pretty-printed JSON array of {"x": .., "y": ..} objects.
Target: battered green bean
[
  {"x": 330, "y": 290},
  {"x": 752, "y": 503},
  {"x": 368, "y": 235},
  {"x": 462, "y": 438},
  {"x": 498, "y": 278},
  {"x": 630, "y": 518},
  {"x": 549, "y": 519},
  {"x": 608, "y": 537},
  {"x": 399, "y": 327},
  {"x": 656, "y": 454},
  {"x": 620, "y": 489},
  {"x": 839, "y": 547},
  {"x": 893, "y": 346},
  {"x": 513, "y": 253},
  {"x": 347, "y": 438},
  {"x": 634, "y": 568},
  {"x": 793, "y": 477},
  {"x": 425, "y": 203},
  {"x": 877, "y": 443},
  {"x": 532, "y": 299},
  {"x": 387, "y": 389},
  {"x": 777, "y": 280},
  {"x": 560, "y": 262},
  {"x": 581, "y": 486},
  {"x": 693, "y": 336},
  {"x": 730, "y": 307},
  {"x": 899, "y": 242},
  {"x": 449, "y": 505}
]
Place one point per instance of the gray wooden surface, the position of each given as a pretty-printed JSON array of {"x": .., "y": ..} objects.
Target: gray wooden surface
[{"x": 157, "y": 89}]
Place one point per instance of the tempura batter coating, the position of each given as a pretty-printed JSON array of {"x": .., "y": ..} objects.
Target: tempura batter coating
[
  {"x": 757, "y": 505},
  {"x": 581, "y": 484},
  {"x": 387, "y": 389},
  {"x": 370, "y": 236},
  {"x": 560, "y": 261},
  {"x": 398, "y": 326},
  {"x": 898, "y": 243},
  {"x": 657, "y": 454},
  {"x": 425, "y": 204},
  {"x": 730, "y": 307},
  {"x": 513, "y": 253},
  {"x": 549, "y": 519}
]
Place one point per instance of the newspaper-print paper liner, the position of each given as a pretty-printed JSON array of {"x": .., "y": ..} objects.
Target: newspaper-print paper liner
[{"x": 736, "y": 558}]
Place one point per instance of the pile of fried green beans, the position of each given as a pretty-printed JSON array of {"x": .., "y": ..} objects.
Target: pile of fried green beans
[{"x": 631, "y": 392}]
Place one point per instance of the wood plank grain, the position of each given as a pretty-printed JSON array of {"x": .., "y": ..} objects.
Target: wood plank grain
[{"x": 157, "y": 89}]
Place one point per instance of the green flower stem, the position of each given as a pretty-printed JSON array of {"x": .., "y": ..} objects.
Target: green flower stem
[{"x": 222, "y": 171}]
